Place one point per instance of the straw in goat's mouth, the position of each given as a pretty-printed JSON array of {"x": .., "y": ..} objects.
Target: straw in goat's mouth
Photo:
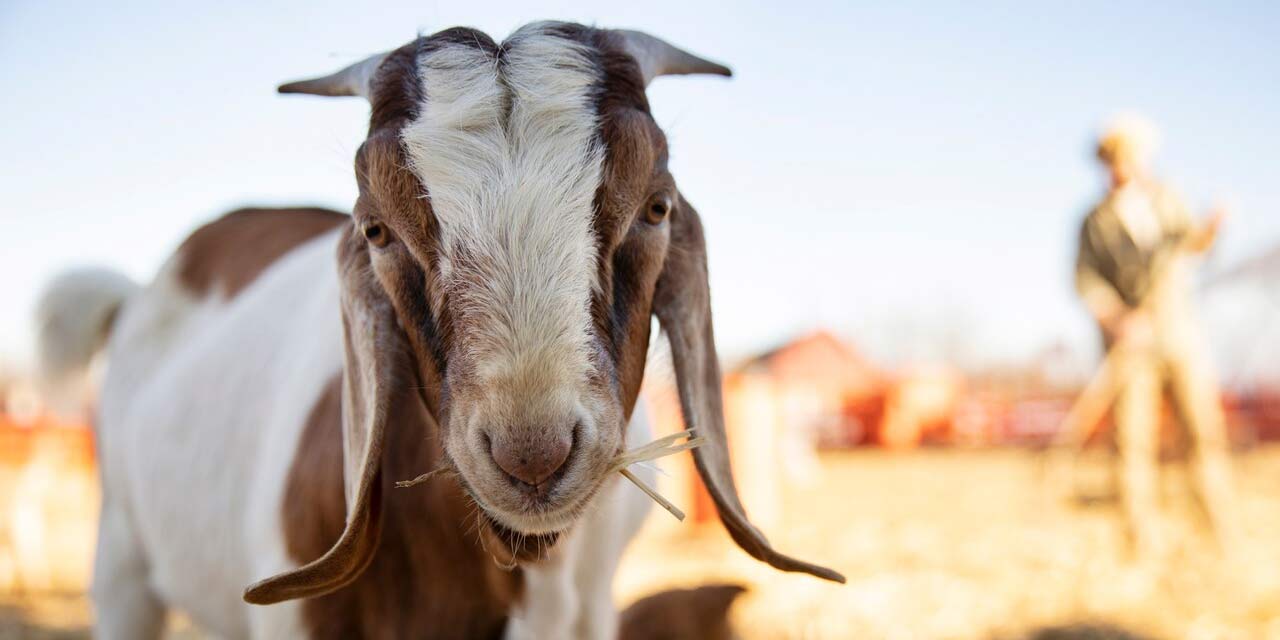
[
  {"x": 660, "y": 448},
  {"x": 405, "y": 484}
]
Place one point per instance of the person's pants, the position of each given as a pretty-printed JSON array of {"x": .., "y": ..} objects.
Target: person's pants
[{"x": 1143, "y": 375}]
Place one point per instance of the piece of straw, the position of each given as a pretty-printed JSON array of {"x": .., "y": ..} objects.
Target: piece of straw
[
  {"x": 653, "y": 493},
  {"x": 659, "y": 448},
  {"x": 405, "y": 484}
]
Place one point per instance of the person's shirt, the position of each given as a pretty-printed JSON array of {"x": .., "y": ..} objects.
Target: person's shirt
[
  {"x": 1136, "y": 210},
  {"x": 1126, "y": 241}
]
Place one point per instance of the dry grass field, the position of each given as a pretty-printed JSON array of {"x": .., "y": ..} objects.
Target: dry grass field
[
  {"x": 947, "y": 544},
  {"x": 971, "y": 544}
]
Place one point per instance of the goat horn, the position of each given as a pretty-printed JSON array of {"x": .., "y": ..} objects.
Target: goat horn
[
  {"x": 658, "y": 58},
  {"x": 351, "y": 81}
]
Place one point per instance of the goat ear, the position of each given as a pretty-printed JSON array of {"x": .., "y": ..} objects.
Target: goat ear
[
  {"x": 376, "y": 366},
  {"x": 682, "y": 302}
]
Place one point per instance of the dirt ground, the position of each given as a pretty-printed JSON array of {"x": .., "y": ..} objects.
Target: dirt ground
[
  {"x": 946, "y": 544},
  {"x": 972, "y": 544}
]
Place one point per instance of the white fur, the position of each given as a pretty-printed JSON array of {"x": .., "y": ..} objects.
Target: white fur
[
  {"x": 513, "y": 193},
  {"x": 202, "y": 408},
  {"x": 571, "y": 594}
]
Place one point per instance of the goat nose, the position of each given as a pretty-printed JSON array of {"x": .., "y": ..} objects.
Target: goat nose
[{"x": 532, "y": 463}]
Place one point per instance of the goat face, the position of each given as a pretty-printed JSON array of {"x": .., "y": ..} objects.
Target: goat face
[
  {"x": 515, "y": 232},
  {"x": 522, "y": 275}
]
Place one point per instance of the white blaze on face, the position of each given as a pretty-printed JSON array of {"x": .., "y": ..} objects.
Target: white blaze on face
[{"x": 509, "y": 156}]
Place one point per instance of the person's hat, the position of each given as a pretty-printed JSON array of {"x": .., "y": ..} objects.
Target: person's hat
[{"x": 1128, "y": 137}]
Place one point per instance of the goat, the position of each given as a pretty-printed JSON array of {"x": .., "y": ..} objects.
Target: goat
[{"x": 489, "y": 313}]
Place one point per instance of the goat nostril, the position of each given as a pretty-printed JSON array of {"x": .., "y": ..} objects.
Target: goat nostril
[{"x": 532, "y": 463}]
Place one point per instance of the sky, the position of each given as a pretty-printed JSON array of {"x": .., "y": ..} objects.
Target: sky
[{"x": 909, "y": 176}]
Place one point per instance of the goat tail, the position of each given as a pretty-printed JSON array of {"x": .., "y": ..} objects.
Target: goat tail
[{"x": 74, "y": 317}]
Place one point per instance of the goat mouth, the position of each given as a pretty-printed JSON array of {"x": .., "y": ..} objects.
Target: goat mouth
[{"x": 510, "y": 547}]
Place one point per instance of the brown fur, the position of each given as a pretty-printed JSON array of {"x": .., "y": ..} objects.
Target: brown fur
[
  {"x": 228, "y": 254},
  {"x": 430, "y": 578},
  {"x": 681, "y": 614},
  {"x": 631, "y": 249}
]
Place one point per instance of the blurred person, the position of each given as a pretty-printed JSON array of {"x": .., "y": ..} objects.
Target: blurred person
[{"x": 1133, "y": 273}]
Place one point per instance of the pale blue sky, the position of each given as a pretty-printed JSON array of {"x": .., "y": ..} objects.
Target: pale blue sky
[{"x": 923, "y": 161}]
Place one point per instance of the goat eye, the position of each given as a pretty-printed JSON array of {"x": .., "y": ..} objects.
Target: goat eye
[
  {"x": 659, "y": 208},
  {"x": 375, "y": 234}
]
